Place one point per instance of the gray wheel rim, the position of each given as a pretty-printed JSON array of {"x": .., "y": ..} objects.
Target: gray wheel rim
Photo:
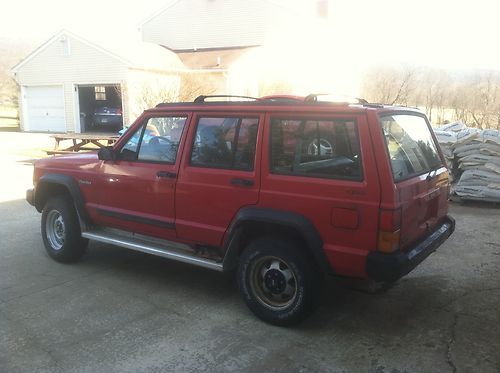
[
  {"x": 273, "y": 282},
  {"x": 324, "y": 148},
  {"x": 55, "y": 229}
]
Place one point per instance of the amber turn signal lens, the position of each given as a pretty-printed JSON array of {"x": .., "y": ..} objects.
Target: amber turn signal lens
[{"x": 388, "y": 242}]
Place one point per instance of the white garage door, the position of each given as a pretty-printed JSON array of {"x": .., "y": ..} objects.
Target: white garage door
[{"x": 45, "y": 109}]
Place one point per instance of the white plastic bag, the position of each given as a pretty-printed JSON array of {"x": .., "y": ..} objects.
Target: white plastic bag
[
  {"x": 455, "y": 127},
  {"x": 467, "y": 135}
]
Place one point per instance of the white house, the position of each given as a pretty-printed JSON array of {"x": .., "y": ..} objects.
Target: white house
[
  {"x": 64, "y": 80},
  {"x": 190, "y": 25},
  {"x": 258, "y": 47}
]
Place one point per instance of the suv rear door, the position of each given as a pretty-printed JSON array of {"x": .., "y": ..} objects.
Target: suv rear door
[
  {"x": 220, "y": 173},
  {"x": 419, "y": 173},
  {"x": 321, "y": 166}
]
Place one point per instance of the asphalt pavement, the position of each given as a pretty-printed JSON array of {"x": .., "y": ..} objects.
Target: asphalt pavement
[{"x": 123, "y": 311}]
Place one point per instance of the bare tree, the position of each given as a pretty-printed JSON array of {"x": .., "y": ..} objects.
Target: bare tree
[
  {"x": 434, "y": 93},
  {"x": 484, "y": 100},
  {"x": 390, "y": 85},
  {"x": 473, "y": 99},
  {"x": 183, "y": 88},
  {"x": 194, "y": 84}
]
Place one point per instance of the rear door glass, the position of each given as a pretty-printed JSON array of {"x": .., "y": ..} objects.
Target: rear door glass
[
  {"x": 316, "y": 148},
  {"x": 411, "y": 148}
]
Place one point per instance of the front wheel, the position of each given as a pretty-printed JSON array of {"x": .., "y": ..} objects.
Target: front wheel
[
  {"x": 278, "y": 280},
  {"x": 61, "y": 230}
]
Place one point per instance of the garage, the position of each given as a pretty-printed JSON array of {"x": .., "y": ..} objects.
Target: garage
[
  {"x": 71, "y": 84},
  {"x": 44, "y": 108}
]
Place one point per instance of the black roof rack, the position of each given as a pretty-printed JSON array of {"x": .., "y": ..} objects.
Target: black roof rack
[
  {"x": 274, "y": 99},
  {"x": 202, "y": 98},
  {"x": 313, "y": 97}
]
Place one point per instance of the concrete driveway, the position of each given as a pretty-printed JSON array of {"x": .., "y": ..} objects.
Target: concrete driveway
[{"x": 122, "y": 311}]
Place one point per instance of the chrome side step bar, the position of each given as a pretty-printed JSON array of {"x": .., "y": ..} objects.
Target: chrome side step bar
[{"x": 163, "y": 248}]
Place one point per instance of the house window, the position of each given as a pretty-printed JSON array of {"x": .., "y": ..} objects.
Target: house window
[
  {"x": 66, "y": 51},
  {"x": 100, "y": 93}
]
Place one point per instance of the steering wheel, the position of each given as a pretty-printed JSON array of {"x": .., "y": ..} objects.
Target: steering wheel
[{"x": 157, "y": 140}]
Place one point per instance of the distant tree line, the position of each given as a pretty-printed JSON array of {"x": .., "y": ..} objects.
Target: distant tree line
[{"x": 471, "y": 97}]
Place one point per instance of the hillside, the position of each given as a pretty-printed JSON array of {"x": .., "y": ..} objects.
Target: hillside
[{"x": 11, "y": 52}]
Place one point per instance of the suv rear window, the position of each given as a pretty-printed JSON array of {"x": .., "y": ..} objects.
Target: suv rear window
[
  {"x": 412, "y": 150},
  {"x": 316, "y": 148}
]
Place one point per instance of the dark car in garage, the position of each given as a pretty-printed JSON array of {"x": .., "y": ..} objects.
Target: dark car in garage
[{"x": 108, "y": 118}]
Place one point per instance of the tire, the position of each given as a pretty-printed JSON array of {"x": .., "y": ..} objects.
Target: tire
[
  {"x": 61, "y": 231},
  {"x": 278, "y": 280}
]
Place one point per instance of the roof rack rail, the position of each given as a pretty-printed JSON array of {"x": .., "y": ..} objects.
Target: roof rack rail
[
  {"x": 202, "y": 98},
  {"x": 313, "y": 97},
  {"x": 283, "y": 98}
]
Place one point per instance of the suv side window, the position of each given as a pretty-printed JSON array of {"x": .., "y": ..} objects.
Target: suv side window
[
  {"x": 227, "y": 143},
  {"x": 157, "y": 140},
  {"x": 316, "y": 148}
]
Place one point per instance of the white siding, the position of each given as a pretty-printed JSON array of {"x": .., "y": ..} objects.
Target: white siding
[
  {"x": 199, "y": 24},
  {"x": 69, "y": 64}
]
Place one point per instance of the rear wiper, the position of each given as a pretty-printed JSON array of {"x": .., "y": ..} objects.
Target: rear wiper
[{"x": 429, "y": 177}]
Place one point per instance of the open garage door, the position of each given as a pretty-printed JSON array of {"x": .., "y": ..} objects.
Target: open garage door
[
  {"x": 44, "y": 108},
  {"x": 100, "y": 108}
]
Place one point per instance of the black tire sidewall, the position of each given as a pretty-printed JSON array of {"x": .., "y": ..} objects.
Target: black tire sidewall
[
  {"x": 74, "y": 245},
  {"x": 305, "y": 275}
]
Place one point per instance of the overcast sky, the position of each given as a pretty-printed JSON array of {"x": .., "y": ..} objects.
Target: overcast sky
[{"x": 445, "y": 33}]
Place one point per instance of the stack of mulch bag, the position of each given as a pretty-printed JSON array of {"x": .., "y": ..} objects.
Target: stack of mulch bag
[{"x": 474, "y": 159}]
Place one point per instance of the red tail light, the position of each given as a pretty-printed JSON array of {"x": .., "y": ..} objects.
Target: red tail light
[{"x": 389, "y": 230}]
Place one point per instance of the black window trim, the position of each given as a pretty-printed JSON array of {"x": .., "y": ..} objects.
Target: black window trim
[
  {"x": 143, "y": 125},
  {"x": 388, "y": 156},
  {"x": 228, "y": 115},
  {"x": 304, "y": 118}
]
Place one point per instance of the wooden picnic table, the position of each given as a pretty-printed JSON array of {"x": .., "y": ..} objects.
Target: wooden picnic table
[{"x": 82, "y": 141}]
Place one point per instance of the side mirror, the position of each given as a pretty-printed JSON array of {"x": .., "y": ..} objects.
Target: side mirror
[{"x": 106, "y": 154}]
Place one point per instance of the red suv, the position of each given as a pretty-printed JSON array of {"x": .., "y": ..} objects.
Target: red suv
[{"x": 283, "y": 190}]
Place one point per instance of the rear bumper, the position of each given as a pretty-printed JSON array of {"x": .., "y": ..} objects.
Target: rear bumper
[
  {"x": 108, "y": 120},
  {"x": 390, "y": 267},
  {"x": 30, "y": 196}
]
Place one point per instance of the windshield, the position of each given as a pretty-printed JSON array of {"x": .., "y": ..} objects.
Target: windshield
[{"x": 412, "y": 150}]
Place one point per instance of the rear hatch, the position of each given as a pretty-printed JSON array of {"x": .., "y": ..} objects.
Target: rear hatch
[{"x": 419, "y": 173}]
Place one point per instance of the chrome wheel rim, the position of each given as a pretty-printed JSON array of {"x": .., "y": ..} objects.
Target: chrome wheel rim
[
  {"x": 324, "y": 147},
  {"x": 55, "y": 229},
  {"x": 273, "y": 282}
]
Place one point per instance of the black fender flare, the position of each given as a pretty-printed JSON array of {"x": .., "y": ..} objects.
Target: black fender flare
[
  {"x": 297, "y": 222},
  {"x": 70, "y": 184}
]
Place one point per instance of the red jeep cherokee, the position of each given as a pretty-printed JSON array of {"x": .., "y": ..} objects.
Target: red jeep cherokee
[{"x": 280, "y": 189}]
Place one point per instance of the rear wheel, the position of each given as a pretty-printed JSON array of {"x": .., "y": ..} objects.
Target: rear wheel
[
  {"x": 61, "y": 230},
  {"x": 278, "y": 280}
]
